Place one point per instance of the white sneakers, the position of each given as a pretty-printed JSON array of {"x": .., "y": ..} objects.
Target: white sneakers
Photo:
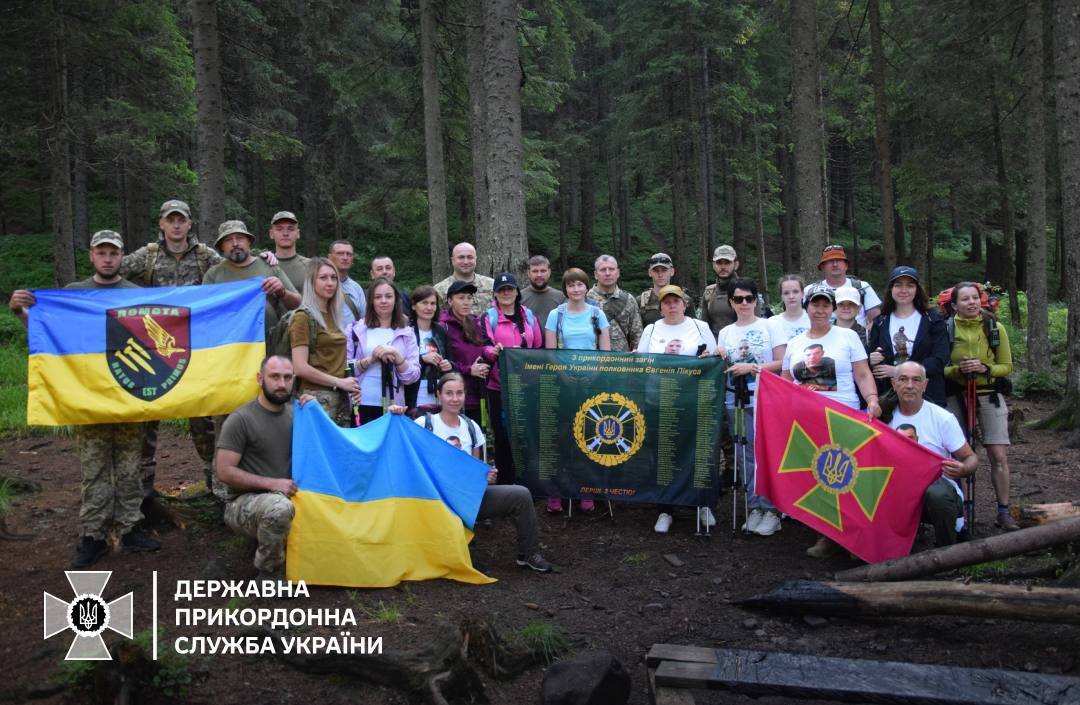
[
  {"x": 705, "y": 517},
  {"x": 762, "y": 523},
  {"x": 663, "y": 523}
]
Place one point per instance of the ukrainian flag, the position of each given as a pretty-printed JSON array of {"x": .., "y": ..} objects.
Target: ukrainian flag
[
  {"x": 127, "y": 355},
  {"x": 376, "y": 505}
]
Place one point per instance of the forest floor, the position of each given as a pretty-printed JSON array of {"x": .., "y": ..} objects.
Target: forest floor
[{"x": 614, "y": 590}]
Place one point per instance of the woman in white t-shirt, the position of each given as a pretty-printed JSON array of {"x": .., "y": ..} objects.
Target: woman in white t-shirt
[
  {"x": 794, "y": 319},
  {"x": 831, "y": 361},
  {"x": 749, "y": 347},
  {"x": 676, "y": 334}
]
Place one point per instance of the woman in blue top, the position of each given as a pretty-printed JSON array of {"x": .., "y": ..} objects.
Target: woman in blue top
[{"x": 576, "y": 325}]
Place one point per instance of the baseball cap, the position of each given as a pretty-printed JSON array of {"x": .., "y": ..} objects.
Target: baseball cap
[
  {"x": 819, "y": 290},
  {"x": 660, "y": 260},
  {"x": 904, "y": 271},
  {"x": 459, "y": 287},
  {"x": 174, "y": 206},
  {"x": 106, "y": 237},
  {"x": 669, "y": 290},
  {"x": 228, "y": 228},
  {"x": 284, "y": 215},
  {"x": 504, "y": 280},
  {"x": 724, "y": 252},
  {"x": 832, "y": 252},
  {"x": 848, "y": 293}
]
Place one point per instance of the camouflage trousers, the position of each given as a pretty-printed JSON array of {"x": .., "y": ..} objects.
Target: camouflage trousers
[
  {"x": 111, "y": 492},
  {"x": 266, "y": 517},
  {"x": 334, "y": 403},
  {"x": 200, "y": 428}
]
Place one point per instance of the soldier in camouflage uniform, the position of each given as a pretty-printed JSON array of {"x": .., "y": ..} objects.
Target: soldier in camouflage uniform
[
  {"x": 254, "y": 466},
  {"x": 715, "y": 309},
  {"x": 177, "y": 258},
  {"x": 618, "y": 305},
  {"x": 661, "y": 271},
  {"x": 463, "y": 258},
  {"x": 108, "y": 453}
]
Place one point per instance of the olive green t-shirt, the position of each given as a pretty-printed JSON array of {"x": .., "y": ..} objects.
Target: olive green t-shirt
[
  {"x": 226, "y": 272},
  {"x": 329, "y": 353},
  {"x": 91, "y": 284},
  {"x": 295, "y": 269},
  {"x": 263, "y": 438}
]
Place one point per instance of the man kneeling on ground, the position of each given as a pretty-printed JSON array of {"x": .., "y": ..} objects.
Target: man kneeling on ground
[
  {"x": 937, "y": 429},
  {"x": 254, "y": 466},
  {"x": 513, "y": 501}
]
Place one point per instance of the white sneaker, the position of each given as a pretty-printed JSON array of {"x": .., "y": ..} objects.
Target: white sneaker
[
  {"x": 663, "y": 523},
  {"x": 705, "y": 516},
  {"x": 769, "y": 524},
  {"x": 753, "y": 520}
]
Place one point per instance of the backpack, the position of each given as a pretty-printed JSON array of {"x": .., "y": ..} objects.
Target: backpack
[
  {"x": 1002, "y": 385},
  {"x": 280, "y": 343},
  {"x": 468, "y": 424},
  {"x": 944, "y": 301},
  {"x": 493, "y": 321},
  {"x": 561, "y": 309},
  {"x": 202, "y": 256}
]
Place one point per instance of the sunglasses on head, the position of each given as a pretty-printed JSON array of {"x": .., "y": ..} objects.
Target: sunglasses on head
[
  {"x": 833, "y": 248},
  {"x": 749, "y": 298}
]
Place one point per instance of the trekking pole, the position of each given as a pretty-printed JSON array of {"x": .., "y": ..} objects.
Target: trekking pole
[
  {"x": 350, "y": 371},
  {"x": 972, "y": 417},
  {"x": 742, "y": 400},
  {"x": 735, "y": 476},
  {"x": 387, "y": 383}
]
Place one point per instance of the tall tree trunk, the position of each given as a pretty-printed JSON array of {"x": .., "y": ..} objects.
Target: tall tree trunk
[
  {"x": 881, "y": 137},
  {"x": 506, "y": 247},
  {"x": 433, "y": 145},
  {"x": 205, "y": 47},
  {"x": 763, "y": 271},
  {"x": 919, "y": 242},
  {"x": 975, "y": 251},
  {"x": 738, "y": 197},
  {"x": 1008, "y": 243},
  {"x": 680, "y": 215},
  {"x": 60, "y": 154},
  {"x": 1067, "y": 100},
  {"x": 931, "y": 239},
  {"x": 624, "y": 206},
  {"x": 808, "y": 152},
  {"x": 478, "y": 114},
  {"x": 708, "y": 201},
  {"x": 1038, "y": 335},
  {"x": 587, "y": 243},
  {"x": 789, "y": 252},
  {"x": 563, "y": 211}
]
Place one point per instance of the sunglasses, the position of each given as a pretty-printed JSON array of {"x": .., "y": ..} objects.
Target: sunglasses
[
  {"x": 742, "y": 299},
  {"x": 833, "y": 248}
]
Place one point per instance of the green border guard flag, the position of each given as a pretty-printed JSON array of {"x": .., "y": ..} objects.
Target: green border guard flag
[{"x": 620, "y": 426}]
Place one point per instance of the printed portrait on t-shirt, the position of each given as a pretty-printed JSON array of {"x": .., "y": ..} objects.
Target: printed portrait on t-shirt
[
  {"x": 901, "y": 346},
  {"x": 909, "y": 431},
  {"x": 673, "y": 347},
  {"x": 454, "y": 441},
  {"x": 815, "y": 371},
  {"x": 744, "y": 353}
]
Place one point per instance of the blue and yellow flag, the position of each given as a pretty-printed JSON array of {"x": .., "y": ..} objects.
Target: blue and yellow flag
[
  {"x": 126, "y": 355},
  {"x": 376, "y": 505}
]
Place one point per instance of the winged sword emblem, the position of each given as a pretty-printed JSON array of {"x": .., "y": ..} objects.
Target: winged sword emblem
[{"x": 163, "y": 339}]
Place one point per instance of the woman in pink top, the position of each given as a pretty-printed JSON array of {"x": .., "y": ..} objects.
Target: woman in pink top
[{"x": 508, "y": 324}]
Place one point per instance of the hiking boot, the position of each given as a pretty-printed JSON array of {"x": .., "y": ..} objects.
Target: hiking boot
[
  {"x": 136, "y": 541},
  {"x": 663, "y": 523},
  {"x": 824, "y": 548},
  {"x": 554, "y": 505},
  {"x": 89, "y": 552},
  {"x": 769, "y": 524},
  {"x": 751, "y": 524},
  {"x": 1005, "y": 521},
  {"x": 587, "y": 505},
  {"x": 705, "y": 516},
  {"x": 536, "y": 562}
]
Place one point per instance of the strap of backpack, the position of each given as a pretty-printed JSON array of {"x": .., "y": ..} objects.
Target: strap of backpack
[
  {"x": 559, "y": 310},
  {"x": 596, "y": 324},
  {"x": 472, "y": 430},
  {"x": 352, "y": 307}
]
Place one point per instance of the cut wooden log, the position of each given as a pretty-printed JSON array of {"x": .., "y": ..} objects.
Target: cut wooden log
[
  {"x": 917, "y": 598},
  {"x": 759, "y": 673},
  {"x": 1035, "y": 514},
  {"x": 945, "y": 558}
]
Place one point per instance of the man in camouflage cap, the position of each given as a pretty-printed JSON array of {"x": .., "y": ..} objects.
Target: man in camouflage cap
[
  {"x": 618, "y": 305},
  {"x": 108, "y": 453},
  {"x": 176, "y": 258},
  {"x": 661, "y": 271},
  {"x": 285, "y": 231},
  {"x": 716, "y": 310},
  {"x": 254, "y": 466}
]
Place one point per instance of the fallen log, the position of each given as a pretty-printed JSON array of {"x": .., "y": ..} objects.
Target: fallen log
[
  {"x": 763, "y": 673},
  {"x": 920, "y": 598},
  {"x": 1035, "y": 514},
  {"x": 945, "y": 558}
]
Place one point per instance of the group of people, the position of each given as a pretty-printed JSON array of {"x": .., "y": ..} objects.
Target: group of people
[{"x": 433, "y": 353}]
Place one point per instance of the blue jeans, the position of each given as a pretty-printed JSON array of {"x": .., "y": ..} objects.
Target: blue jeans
[{"x": 746, "y": 469}]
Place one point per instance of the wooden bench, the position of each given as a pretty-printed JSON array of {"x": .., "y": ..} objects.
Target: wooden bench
[{"x": 676, "y": 670}]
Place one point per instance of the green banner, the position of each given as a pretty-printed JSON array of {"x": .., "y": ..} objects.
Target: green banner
[{"x": 619, "y": 426}]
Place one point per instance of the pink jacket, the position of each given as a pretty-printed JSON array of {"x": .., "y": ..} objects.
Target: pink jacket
[
  {"x": 403, "y": 341},
  {"x": 506, "y": 332}
]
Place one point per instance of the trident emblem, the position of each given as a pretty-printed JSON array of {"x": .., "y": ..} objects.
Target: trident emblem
[{"x": 88, "y": 615}]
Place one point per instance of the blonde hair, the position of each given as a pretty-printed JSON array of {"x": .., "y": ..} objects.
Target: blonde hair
[{"x": 309, "y": 300}]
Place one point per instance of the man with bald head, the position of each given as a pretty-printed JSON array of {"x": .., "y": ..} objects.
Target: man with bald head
[{"x": 463, "y": 259}]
